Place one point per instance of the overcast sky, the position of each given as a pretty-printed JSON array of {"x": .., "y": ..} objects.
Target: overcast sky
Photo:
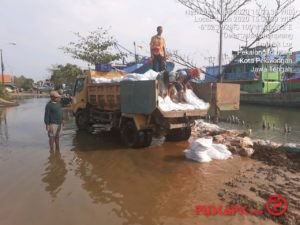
[{"x": 40, "y": 27}]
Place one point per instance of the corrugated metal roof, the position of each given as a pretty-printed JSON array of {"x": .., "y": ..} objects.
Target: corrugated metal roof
[{"x": 7, "y": 78}]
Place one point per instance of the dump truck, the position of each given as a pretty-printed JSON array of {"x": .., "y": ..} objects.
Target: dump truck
[{"x": 132, "y": 109}]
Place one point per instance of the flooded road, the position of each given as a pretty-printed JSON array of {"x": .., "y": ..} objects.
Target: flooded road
[{"x": 95, "y": 180}]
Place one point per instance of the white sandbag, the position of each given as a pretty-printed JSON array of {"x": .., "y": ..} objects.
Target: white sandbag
[
  {"x": 187, "y": 106},
  {"x": 218, "y": 151},
  {"x": 99, "y": 80},
  {"x": 166, "y": 104},
  {"x": 162, "y": 105},
  {"x": 222, "y": 149},
  {"x": 197, "y": 156},
  {"x": 203, "y": 150},
  {"x": 204, "y": 143},
  {"x": 191, "y": 98},
  {"x": 151, "y": 74}
]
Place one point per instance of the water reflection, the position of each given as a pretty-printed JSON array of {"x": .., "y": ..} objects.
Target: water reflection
[
  {"x": 54, "y": 174},
  {"x": 145, "y": 186},
  {"x": 112, "y": 177}
]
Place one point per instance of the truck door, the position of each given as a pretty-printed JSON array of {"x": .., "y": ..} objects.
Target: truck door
[
  {"x": 79, "y": 85},
  {"x": 79, "y": 99}
]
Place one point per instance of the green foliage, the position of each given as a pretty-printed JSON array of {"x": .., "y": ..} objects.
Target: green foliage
[
  {"x": 23, "y": 82},
  {"x": 64, "y": 74},
  {"x": 96, "y": 48},
  {"x": 3, "y": 93}
]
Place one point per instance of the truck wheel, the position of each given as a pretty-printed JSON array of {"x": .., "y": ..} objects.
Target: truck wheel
[
  {"x": 82, "y": 119},
  {"x": 187, "y": 131},
  {"x": 130, "y": 136},
  {"x": 181, "y": 134},
  {"x": 148, "y": 138}
]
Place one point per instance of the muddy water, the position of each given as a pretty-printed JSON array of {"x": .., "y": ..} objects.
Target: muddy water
[
  {"x": 95, "y": 180},
  {"x": 274, "y": 118}
]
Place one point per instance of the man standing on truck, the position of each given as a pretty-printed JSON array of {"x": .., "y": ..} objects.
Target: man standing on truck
[
  {"x": 53, "y": 119},
  {"x": 158, "y": 50}
]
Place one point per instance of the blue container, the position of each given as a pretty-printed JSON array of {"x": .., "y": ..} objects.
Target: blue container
[{"x": 103, "y": 67}]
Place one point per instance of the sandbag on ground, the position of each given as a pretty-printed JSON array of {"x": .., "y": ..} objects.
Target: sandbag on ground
[{"x": 203, "y": 150}]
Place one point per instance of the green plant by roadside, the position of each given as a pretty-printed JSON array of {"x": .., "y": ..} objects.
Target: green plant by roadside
[
  {"x": 3, "y": 93},
  {"x": 64, "y": 74},
  {"x": 23, "y": 82}
]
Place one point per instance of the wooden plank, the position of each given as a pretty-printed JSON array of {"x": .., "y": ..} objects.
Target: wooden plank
[
  {"x": 228, "y": 96},
  {"x": 183, "y": 113}
]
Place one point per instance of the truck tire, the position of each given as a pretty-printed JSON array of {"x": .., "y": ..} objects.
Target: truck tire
[
  {"x": 148, "y": 138},
  {"x": 130, "y": 136},
  {"x": 181, "y": 134},
  {"x": 82, "y": 119},
  {"x": 187, "y": 131}
]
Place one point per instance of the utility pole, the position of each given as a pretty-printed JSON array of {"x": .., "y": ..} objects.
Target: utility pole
[
  {"x": 221, "y": 43},
  {"x": 220, "y": 79},
  {"x": 135, "y": 55},
  {"x": 2, "y": 68},
  {"x": 2, "y": 64}
]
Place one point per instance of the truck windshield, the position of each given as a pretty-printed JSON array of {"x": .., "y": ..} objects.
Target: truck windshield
[{"x": 78, "y": 85}]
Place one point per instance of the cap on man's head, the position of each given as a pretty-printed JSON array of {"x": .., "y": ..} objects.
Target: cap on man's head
[
  {"x": 182, "y": 73},
  {"x": 172, "y": 77},
  {"x": 54, "y": 94}
]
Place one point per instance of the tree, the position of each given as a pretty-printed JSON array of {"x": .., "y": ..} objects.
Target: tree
[
  {"x": 23, "y": 82},
  {"x": 221, "y": 11},
  {"x": 95, "y": 48},
  {"x": 64, "y": 74},
  {"x": 182, "y": 60},
  {"x": 217, "y": 11}
]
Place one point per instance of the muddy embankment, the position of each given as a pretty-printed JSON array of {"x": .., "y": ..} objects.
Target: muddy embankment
[{"x": 275, "y": 171}]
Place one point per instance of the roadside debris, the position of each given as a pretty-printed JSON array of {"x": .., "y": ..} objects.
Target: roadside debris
[{"x": 238, "y": 142}]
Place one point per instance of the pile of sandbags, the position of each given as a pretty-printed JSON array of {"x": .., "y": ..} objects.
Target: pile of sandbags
[
  {"x": 149, "y": 75},
  {"x": 192, "y": 99},
  {"x": 166, "y": 104},
  {"x": 204, "y": 150}
]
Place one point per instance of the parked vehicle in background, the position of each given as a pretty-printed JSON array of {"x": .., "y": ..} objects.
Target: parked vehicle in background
[
  {"x": 10, "y": 88},
  {"x": 43, "y": 86}
]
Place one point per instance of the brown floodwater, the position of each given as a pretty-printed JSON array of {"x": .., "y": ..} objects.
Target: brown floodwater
[{"x": 95, "y": 180}]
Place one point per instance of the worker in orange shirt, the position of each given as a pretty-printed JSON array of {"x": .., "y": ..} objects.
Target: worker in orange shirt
[{"x": 158, "y": 51}]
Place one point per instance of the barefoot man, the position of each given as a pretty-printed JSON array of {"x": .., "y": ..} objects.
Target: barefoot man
[{"x": 53, "y": 119}]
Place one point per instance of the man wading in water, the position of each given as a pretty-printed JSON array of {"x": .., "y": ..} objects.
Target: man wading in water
[
  {"x": 54, "y": 120},
  {"x": 158, "y": 51}
]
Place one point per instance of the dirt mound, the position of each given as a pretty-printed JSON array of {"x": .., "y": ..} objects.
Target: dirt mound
[
  {"x": 274, "y": 171},
  {"x": 278, "y": 157}
]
